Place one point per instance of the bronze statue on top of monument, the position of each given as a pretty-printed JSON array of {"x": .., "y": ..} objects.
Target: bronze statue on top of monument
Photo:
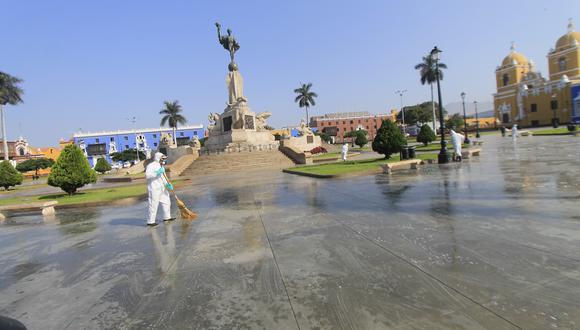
[{"x": 237, "y": 126}]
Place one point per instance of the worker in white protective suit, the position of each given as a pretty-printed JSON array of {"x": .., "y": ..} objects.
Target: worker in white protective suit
[
  {"x": 344, "y": 151},
  {"x": 457, "y": 141},
  {"x": 515, "y": 131},
  {"x": 158, "y": 189}
]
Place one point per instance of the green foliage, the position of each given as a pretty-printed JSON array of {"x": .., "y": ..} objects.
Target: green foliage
[
  {"x": 127, "y": 155},
  {"x": 455, "y": 121},
  {"x": 389, "y": 139},
  {"x": 202, "y": 142},
  {"x": 9, "y": 176},
  {"x": 102, "y": 165},
  {"x": 10, "y": 93},
  {"x": 420, "y": 113},
  {"x": 324, "y": 137},
  {"x": 172, "y": 114},
  {"x": 305, "y": 98},
  {"x": 426, "y": 135},
  {"x": 34, "y": 164},
  {"x": 71, "y": 171},
  {"x": 361, "y": 138},
  {"x": 428, "y": 70}
]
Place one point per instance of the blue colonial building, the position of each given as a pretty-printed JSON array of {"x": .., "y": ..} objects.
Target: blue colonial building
[{"x": 148, "y": 140}]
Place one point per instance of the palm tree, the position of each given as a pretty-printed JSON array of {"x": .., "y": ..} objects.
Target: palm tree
[
  {"x": 305, "y": 98},
  {"x": 428, "y": 74},
  {"x": 172, "y": 116},
  {"x": 10, "y": 93}
]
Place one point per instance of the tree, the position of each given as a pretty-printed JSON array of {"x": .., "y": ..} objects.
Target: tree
[
  {"x": 127, "y": 155},
  {"x": 172, "y": 116},
  {"x": 10, "y": 93},
  {"x": 9, "y": 176},
  {"x": 305, "y": 98},
  {"x": 351, "y": 135},
  {"x": 324, "y": 137},
  {"x": 389, "y": 139},
  {"x": 426, "y": 135},
  {"x": 454, "y": 122},
  {"x": 428, "y": 71},
  {"x": 420, "y": 113},
  {"x": 34, "y": 164},
  {"x": 71, "y": 171},
  {"x": 361, "y": 138},
  {"x": 102, "y": 165}
]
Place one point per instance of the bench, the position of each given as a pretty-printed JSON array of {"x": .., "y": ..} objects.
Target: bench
[
  {"x": 46, "y": 208},
  {"x": 411, "y": 163},
  {"x": 467, "y": 153}
]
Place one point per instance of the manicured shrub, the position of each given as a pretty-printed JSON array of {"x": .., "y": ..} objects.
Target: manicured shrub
[
  {"x": 389, "y": 139},
  {"x": 9, "y": 176},
  {"x": 102, "y": 165},
  {"x": 426, "y": 135},
  {"x": 318, "y": 150},
  {"x": 34, "y": 164},
  {"x": 571, "y": 127},
  {"x": 361, "y": 138},
  {"x": 71, "y": 171}
]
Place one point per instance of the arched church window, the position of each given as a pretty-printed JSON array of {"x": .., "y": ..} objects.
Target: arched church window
[
  {"x": 562, "y": 63},
  {"x": 506, "y": 79},
  {"x": 21, "y": 151}
]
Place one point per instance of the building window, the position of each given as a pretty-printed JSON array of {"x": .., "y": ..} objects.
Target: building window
[
  {"x": 195, "y": 133},
  {"x": 351, "y": 122},
  {"x": 112, "y": 139},
  {"x": 506, "y": 79},
  {"x": 554, "y": 104},
  {"x": 338, "y": 129},
  {"x": 154, "y": 136},
  {"x": 534, "y": 107},
  {"x": 97, "y": 140},
  {"x": 126, "y": 146},
  {"x": 96, "y": 149},
  {"x": 180, "y": 133},
  {"x": 126, "y": 138},
  {"x": 562, "y": 63},
  {"x": 359, "y": 121},
  {"x": 343, "y": 122},
  {"x": 155, "y": 144}
]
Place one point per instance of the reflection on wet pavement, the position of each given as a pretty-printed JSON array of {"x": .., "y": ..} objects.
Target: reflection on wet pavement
[{"x": 490, "y": 243}]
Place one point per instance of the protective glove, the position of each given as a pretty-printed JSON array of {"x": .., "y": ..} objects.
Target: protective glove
[
  {"x": 160, "y": 171},
  {"x": 169, "y": 186}
]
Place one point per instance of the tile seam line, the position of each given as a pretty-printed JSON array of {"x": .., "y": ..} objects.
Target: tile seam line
[
  {"x": 276, "y": 263},
  {"x": 427, "y": 273}
]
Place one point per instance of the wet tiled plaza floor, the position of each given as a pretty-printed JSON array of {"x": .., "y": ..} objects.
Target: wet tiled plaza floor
[{"x": 491, "y": 243}]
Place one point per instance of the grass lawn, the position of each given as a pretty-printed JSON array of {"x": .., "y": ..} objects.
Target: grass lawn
[
  {"x": 436, "y": 146},
  {"x": 86, "y": 196},
  {"x": 327, "y": 155},
  {"x": 553, "y": 131},
  {"x": 353, "y": 166},
  {"x": 24, "y": 188}
]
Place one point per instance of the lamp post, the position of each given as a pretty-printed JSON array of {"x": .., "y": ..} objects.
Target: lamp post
[
  {"x": 443, "y": 156},
  {"x": 464, "y": 118},
  {"x": 477, "y": 135},
  {"x": 400, "y": 93},
  {"x": 134, "y": 120}
]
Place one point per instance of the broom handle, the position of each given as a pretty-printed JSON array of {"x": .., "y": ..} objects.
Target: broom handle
[{"x": 167, "y": 180}]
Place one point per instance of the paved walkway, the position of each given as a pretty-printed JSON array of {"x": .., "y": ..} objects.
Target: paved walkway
[{"x": 490, "y": 243}]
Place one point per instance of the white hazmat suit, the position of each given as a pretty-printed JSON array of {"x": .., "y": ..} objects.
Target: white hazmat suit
[
  {"x": 156, "y": 187},
  {"x": 457, "y": 141},
  {"x": 515, "y": 131},
  {"x": 344, "y": 151}
]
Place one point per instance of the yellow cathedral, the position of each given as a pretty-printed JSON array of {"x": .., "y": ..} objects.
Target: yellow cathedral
[{"x": 526, "y": 98}]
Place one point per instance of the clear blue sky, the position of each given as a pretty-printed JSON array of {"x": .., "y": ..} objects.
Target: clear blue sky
[{"x": 92, "y": 64}]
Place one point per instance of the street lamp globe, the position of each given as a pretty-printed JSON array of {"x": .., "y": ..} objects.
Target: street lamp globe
[
  {"x": 463, "y": 95},
  {"x": 436, "y": 54}
]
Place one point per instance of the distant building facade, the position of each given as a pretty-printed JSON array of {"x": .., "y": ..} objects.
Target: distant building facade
[
  {"x": 526, "y": 98},
  {"x": 337, "y": 124},
  {"x": 17, "y": 150},
  {"x": 104, "y": 144}
]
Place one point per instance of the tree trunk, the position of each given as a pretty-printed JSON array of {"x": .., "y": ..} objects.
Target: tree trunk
[
  {"x": 174, "y": 136},
  {"x": 433, "y": 110},
  {"x": 307, "y": 121},
  {"x": 4, "y": 141}
]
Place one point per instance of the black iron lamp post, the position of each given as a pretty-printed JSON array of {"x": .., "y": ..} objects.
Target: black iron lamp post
[
  {"x": 464, "y": 118},
  {"x": 477, "y": 135},
  {"x": 443, "y": 156}
]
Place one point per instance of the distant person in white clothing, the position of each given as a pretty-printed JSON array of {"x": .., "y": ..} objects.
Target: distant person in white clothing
[
  {"x": 344, "y": 151},
  {"x": 515, "y": 131}
]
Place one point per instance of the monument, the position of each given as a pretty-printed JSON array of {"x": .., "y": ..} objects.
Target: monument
[{"x": 237, "y": 128}]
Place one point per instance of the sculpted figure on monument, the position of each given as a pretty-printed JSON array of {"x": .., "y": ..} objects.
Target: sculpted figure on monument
[
  {"x": 230, "y": 44},
  {"x": 214, "y": 122},
  {"x": 304, "y": 129},
  {"x": 261, "y": 120}
]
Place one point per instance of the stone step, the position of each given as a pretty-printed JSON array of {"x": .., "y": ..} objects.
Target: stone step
[{"x": 237, "y": 162}]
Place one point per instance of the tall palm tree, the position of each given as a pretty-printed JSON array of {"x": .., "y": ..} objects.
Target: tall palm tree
[
  {"x": 305, "y": 98},
  {"x": 10, "y": 93},
  {"x": 428, "y": 74},
  {"x": 172, "y": 116}
]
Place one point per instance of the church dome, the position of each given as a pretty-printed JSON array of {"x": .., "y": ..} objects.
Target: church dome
[
  {"x": 514, "y": 58},
  {"x": 571, "y": 38}
]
